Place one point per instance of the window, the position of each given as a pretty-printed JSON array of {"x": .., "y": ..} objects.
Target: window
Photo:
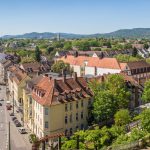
[
  {"x": 81, "y": 115},
  {"x": 70, "y": 131},
  {"x": 82, "y": 126},
  {"x": 66, "y": 107},
  {"x": 46, "y": 124},
  {"x": 77, "y": 105},
  {"x": 70, "y": 106},
  {"x": 81, "y": 103},
  {"x": 77, "y": 128},
  {"x": 66, "y": 119},
  {"x": 71, "y": 118},
  {"x": 46, "y": 111},
  {"x": 77, "y": 116},
  {"x": 66, "y": 132}
]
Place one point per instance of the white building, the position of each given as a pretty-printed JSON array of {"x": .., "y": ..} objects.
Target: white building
[{"x": 95, "y": 66}]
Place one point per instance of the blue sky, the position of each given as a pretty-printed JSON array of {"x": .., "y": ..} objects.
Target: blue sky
[{"x": 72, "y": 16}]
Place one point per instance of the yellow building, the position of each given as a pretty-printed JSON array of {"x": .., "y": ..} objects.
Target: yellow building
[
  {"x": 59, "y": 105},
  {"x": 16, "y": 81}
]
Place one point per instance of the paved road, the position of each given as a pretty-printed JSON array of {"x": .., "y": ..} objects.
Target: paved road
[{"x": 18, "y": 142}]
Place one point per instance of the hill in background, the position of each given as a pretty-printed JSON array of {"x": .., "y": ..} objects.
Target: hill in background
[{"x": 123, "y": 33}]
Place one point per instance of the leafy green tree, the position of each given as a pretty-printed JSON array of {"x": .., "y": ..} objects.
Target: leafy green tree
[
  {"x": 134, "y": 53},
  {"x": 94, "y": 137},
  {"x": 146, "y": 92},
  {"x": 103, "y": 106},
  {"x": 49, "y": 50},
  {"x": 27, "y": 60},
  {"x": 126, "y": 58},
  {"x": 59, "y": 66},
  {"x": 109, "y": 96},
  {"x": 145, "y": 120},
  {"x": 117, "y": 87},
  {"x": 67, "y": 45},
  {"x": 122, "y": 117},
  {"x": 127, "y": 46},
  {"x": 146, "y": 46},
  {"x": 72, "y": 144},
  {"x": 37, "y": 54},
  {"x": 137, "y": 134}
]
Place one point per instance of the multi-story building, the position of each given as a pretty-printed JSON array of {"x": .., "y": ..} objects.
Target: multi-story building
[
  {"x": 16, "y": 81},
  {"x": 137, "y": 69},
  {"x": 59, "y": 105},
  {"x": 35, "y": 68},
  {"x": 4, "y": 65}
]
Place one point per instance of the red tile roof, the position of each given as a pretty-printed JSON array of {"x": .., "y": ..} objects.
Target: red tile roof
[
  {"x": 110, "y": 63},
  {"x": 56, "y": 91}
]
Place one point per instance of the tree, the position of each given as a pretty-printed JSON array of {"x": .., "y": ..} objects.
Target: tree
[
  {"x": 126, "y": 58},
  {"x": 49, "y": 50},
  {"x": 67, "y": 45},
  {"x": 146, "y": 46},
  {"x": 37, "y": 54},
  {"x": 60, "y": 66},
  {"x": 109, "y": 96},
  {"x": 134, "y": 53},
  {"x": 103, "y": 106},
  {"x": 146, "y": 92},
  {"x": 116, "y": 85},
  {"x": 122, "y": 117},
  {"x": 145, "y": 120}
]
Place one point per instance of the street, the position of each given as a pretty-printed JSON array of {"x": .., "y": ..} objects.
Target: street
[{"x": 17, "y": 140}]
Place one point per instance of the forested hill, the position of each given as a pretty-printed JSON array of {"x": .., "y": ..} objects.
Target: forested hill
[{"x": 123, "y": 33}]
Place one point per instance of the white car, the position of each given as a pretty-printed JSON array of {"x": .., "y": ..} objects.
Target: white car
[{"x": 22, "y": 130}]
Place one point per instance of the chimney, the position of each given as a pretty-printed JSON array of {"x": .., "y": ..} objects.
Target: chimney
[
  {"x": 38, "y": 73},
  {"x": 54, "y": 80},
  {"x": 45, "y": 75},
  {"x": 50, "y": 78},
  {"x": 75, "y": 76},
  {"x": 64, "y": 75}
]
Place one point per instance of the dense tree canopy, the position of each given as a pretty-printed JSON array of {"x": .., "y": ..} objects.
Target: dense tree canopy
[
  {"x": 122, "y": 117},
  {"x": 60, "y": 66},
  {"x": 146, "y": 92},
  {"x": 109, "y": 96}
]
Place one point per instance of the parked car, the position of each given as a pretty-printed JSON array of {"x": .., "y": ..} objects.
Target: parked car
[
  {"x": 1, "y": 99},
  {"x": 8, "y": 107},
  {"x": 14, "y": 118},
  {"x": 0, "y": 104},
  {"x": 18, "y": 124},
  {"x": 22, "y": 130},
  {"x": 11, "y": 114}
]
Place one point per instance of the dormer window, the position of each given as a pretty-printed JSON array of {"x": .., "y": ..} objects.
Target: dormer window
[{"x": 69, "y": 95}]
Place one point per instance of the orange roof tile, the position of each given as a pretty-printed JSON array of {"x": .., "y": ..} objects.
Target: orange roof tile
[{"x": 110, "y": 63}]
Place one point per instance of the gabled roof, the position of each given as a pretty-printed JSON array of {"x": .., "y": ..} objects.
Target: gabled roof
[
  {"x": 110, "y": 63},
  {"x": 138, "y": 64},
  {"x": 50, "y": 91},
  {"x": 34, "y": 67},
  {"x": 17, "y": 75}
]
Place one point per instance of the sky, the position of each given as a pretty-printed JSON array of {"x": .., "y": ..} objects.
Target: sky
[{"x": 72, "y": 16}]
